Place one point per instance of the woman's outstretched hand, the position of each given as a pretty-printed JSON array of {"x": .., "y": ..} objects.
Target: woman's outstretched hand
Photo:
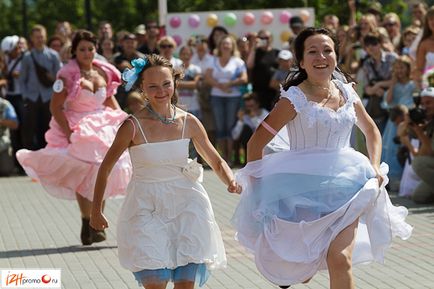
[
  {"x": 234, "y": 187},
  {"x": 98, "y": 221}
]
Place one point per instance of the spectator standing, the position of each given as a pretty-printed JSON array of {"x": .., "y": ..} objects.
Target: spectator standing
[
  {"x": 8, "y": 121},
  {"x": 285, "y": 60},
  {"x": 392, "y": 23},
  {"x": 13, "y": 59},
  {"x": 400, "y": 93},
  {"x": 140, "y": 32},
  {"x": 122, "y": 60},
  {"x": 418, "y": 12},
  {"x": 187, "y": 92},
  {"x": 204, "y": 59},
  {"x": 214, "y": 37},
  {"x": 152, "y": 37},
  {"x": 263, "y": 63},
  {"x": 106, "y": 48},
  {"x": 38, "y": 71},
  {"x": 225, "y": 76},
  {"x": 377, "y": 70},
  {"x": 167, "y": 46}
]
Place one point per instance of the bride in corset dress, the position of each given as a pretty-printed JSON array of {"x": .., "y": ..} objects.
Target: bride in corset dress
[
  {"x": 86, "y": 117},
  {"x": 320, "y": 205}
]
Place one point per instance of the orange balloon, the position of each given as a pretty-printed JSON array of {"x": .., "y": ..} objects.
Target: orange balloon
[
  {"x": 304, "y": 15},
  {"x": 212, "y": 20}
]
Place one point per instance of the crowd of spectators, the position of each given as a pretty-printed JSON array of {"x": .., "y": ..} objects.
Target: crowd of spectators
[{"x": 231, "y": 82}]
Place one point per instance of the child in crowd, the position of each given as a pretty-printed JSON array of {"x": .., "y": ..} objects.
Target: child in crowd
[
  {"x": 188, "y": 93},
  {"x": 399, "y": 93}
]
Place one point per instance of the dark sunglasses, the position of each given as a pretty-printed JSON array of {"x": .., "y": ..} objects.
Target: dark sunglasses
[
  {"x": 164, "y": 46},
  {"x": 264, "y": 37},
  {"x": 389, "y": 24}
]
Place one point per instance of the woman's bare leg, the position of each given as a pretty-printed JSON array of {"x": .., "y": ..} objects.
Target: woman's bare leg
[
  {"x": 339, "y": 258},
  {"x": 85, "y": 206},
  {"x": 184, "y": 285},
  {"x": 156, "y": 286}
]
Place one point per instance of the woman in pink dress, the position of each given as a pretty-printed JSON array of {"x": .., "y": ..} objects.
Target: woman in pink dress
[{"x": 85, "y": 120}]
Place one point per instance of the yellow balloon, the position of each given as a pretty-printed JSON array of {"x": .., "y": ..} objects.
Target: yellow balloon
[
  {"x": 285, "y": 35},
  {"x": 212, "y": 20}
]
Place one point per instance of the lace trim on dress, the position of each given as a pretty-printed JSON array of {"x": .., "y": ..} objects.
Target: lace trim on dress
[
  {"x": 317, "y": 113},
  {"x": 295, "y": 96}
]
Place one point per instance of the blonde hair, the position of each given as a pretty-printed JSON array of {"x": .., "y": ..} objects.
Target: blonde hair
[
  {"x": 38, "y": 28},
  {"x": 234, "y": 52},
  {"x": 166, "y": 39},
  {"x": 392, "y": 16}
]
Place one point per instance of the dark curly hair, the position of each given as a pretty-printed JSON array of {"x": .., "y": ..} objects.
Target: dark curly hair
[
  {"x": 153, "y": 60},
  {"x": 299, "y": 75}
]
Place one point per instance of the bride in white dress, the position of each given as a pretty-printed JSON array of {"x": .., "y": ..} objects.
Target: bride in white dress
[
  {"x": 321, "y": 204},
  {"x": 166, "y": 229},
  {"x": 425, "y": 48}
]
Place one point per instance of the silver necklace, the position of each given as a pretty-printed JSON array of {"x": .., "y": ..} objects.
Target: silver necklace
[
  {"x": 87, "y": 73},
  {"x": 163, "y": 119}
]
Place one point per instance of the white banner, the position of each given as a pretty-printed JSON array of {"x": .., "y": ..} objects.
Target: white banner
[{"x": 182, "y": 25}]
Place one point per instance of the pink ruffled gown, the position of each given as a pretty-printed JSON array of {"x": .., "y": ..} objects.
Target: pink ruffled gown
[{"x": 64, "y": 168}]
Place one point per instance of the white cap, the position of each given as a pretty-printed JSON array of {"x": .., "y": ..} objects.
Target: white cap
[
  {"x": 429, "y": 91},
  {"x": 285, "y": 55},
  {"x": 9, "y": 43}
]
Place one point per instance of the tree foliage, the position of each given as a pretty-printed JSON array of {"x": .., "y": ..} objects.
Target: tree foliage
[{"x": 126, "y": 14}]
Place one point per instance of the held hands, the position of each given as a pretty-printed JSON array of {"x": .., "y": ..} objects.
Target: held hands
[
  {"x": 234, "y": 188},
  {"x": 98, "y": 221}
]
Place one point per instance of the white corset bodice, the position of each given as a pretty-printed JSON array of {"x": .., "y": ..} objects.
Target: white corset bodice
[{"x": 315, "y": 126}]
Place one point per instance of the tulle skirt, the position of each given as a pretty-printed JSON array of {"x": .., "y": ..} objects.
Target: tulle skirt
[
  {"x": 64, "y": 168},
  {"x": 295, "y": 203}
]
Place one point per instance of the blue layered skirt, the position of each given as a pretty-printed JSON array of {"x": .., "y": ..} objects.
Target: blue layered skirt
[{"x": 295, "y": 203}]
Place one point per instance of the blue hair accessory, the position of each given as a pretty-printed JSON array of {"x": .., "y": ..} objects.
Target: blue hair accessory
[{"x": 131, "y": 75}]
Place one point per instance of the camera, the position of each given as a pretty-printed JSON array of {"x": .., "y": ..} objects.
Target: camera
[{"x": 417, "y": 114}]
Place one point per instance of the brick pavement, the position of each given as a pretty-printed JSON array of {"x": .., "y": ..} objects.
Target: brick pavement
[{"x": 39, "y": 231}]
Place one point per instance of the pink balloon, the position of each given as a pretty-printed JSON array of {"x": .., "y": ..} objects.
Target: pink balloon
[
  {"x": 175, "y": 22},
  {"x": 267, "y": 17},
  {"x": 284, "y": 17},
  {"x": 194, "y": 20},
  {"x": 249, "y": 18},
  {"x": 178, "y": 40}
]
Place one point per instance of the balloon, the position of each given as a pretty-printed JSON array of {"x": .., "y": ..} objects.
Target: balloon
[
  {"x": 178, "y": 40},
  {"x": 194, "y": 20},
  {"x": 212, "y": 20},
  {"x": 284, "y": 17},
  {"x": 249, "y": 18},
  {"x": 175, "y": 22},
  {"x": 304, "y": 15},
  {"x": 267, "y": 17},
  {"x": 285, "y": 35},
  {"x": 230, "y": 19}
]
